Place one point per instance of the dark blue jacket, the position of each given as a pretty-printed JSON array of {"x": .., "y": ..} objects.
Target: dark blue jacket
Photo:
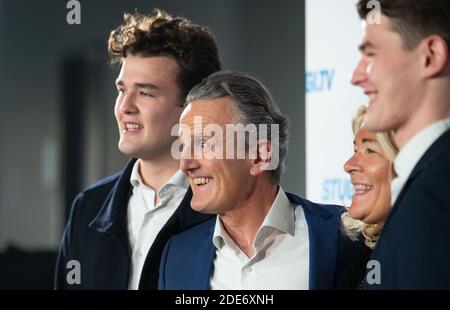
[
  {"x": 188, "y": 259},
  {"x": 414, "y": 247},
  {"x": 96, "y": 236}
]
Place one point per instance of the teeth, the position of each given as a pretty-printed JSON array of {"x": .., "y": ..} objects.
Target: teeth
[
  {"x": 202, "y": 181},
  {"x": 133, "y": 126},
  {"x": 372, "y": 97},
  {"x": 361, "y": 188}
]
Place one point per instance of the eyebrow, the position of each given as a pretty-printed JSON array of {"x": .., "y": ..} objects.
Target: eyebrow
[
  {"x": 139, "y": 85},
  {"x": 369, "y": 141},
  {"x": 364, "y": 46},
  {"x": 365, "y": 140}
]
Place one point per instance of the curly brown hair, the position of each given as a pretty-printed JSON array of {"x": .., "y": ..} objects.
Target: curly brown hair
[{"x": 192, "y": 46}]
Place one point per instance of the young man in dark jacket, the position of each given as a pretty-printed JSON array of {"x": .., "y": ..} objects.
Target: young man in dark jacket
[{"x": 118, "y": 226}]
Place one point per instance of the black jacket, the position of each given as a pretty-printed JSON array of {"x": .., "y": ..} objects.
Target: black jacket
[
  {"x": 414, "y": 246},
  {"x": 96, "y": 236}
]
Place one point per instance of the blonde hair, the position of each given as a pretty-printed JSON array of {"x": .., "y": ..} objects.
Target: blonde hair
[
  {"x": 351, "y": 227},
  {"x": 384, "y": 138}
]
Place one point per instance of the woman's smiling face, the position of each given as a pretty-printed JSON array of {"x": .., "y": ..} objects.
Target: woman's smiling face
[{"x": 370, "y": 172}]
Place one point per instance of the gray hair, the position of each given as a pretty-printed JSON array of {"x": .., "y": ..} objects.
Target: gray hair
[{"x": 253, "y": 104}]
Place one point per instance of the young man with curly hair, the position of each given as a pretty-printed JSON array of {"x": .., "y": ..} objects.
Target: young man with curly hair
[{"x": 118, "y": 226}]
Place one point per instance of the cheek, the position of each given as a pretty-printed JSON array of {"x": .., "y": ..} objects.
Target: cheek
[
  {"x": 117, "y": 114},
  {"x": 224, "y": 171},
  {"x": 378, "y": 70},
  {"x": 369, "y": 68},
  {"x": 383, "y": 203},
  {"x": 379, "y": 173},
  {"x": 117, "y": 109},
  {"x": 160, "y": 118},
  {"x": 398, "y": 72},
  {"x": 384, "y": 67},
  {"x": 232, "y": 173},
  {"x": 169, "y": 115}
]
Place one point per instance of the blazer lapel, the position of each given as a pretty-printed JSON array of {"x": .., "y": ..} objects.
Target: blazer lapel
[
  {"x": 322, "y": 252},
  {"x": 322, "y": 230},
  {"x": 204, "y": 261},
  {"x": 111, "y": 218},
  {"x": 183, "y": 218},
  {"x": 436, "y": 150}
]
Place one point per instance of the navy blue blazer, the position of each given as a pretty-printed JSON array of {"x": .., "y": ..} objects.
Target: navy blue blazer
[
  {"x": 96, "y": 235},
  {"x": 188, "y": 259},
  {"x": 414, "y": 247}
]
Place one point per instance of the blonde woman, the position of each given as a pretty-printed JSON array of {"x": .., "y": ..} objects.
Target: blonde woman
[{"x": 371, "y": 172}]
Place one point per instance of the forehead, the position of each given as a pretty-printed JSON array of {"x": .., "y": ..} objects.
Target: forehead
[
  {"x": 162, "y": 69},
  {"x": 362, "y": 135},
  {"x": 379, "y": 32},
  {"x": 212, "y": 111}
]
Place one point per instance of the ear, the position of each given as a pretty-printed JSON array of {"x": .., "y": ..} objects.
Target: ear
[
  {"x": 434, "y": 56},
  {"x": 392, "y": 173},
  {"x": 263, "y": 157}
]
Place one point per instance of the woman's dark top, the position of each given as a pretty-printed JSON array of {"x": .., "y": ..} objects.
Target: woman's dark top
[{"x": 353, "y": 275}]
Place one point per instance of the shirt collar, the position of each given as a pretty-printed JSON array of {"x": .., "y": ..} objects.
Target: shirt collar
[
  {"x": 135, "y": 178},
  {"x": 178, "y": 179},
  {"x": 411, "y": 153},
  {"x": 280, "y": 217},
  {"x": 220, "y": 236}
]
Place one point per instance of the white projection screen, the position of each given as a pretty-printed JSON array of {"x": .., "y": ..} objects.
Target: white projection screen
[{"x": 333, "y": 33}]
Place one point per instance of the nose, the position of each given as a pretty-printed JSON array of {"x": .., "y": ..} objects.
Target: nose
[
  {"x": 187, "y": 161},
  {"x": 128, "y": 105},
  {"x": 359, "y": 75},
  {"x": 353, "y": 164}
]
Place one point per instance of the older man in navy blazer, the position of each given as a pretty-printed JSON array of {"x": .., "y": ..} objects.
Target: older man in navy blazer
[{"x": 262, "y": 237}]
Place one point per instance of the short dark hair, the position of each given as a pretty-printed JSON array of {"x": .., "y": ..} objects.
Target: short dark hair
[
  {"x": 414, "y": 20},
  {"x": 192, "y": 46}
]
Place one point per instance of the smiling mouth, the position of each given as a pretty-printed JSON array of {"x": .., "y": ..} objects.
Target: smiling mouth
[
  {"x": 132, "y": 127},
  {"x": 202, "y": 181},
  {"x": 360, "y": 189},
  {"x": 372, "y": 96}
]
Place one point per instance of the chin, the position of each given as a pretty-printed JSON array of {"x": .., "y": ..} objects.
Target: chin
[
  {"x": 356, "y": 212},
  {"x": 126, "y": 151},
  {"x": 199, "y": 207},
  {"x": 126, "y": 148},
  {"x": 374, "y": 219},
  {"x": 130, "y": 154},
  {"x": 372, "y": 125}
]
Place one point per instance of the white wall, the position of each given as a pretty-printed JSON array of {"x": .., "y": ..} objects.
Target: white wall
[{"x": 333, "y": 31}]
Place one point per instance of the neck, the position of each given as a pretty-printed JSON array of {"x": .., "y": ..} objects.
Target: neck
[
  {"x": 435, "y": 107},
  {"x": 242, "y": 223},
  {"x": 155, "y": 173}
]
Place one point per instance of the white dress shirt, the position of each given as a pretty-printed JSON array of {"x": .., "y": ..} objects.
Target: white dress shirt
[
  {"x": 412, "y": 152},
  {"x": 145, "y": 220},
  {"x": 281, "y": 259}
]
